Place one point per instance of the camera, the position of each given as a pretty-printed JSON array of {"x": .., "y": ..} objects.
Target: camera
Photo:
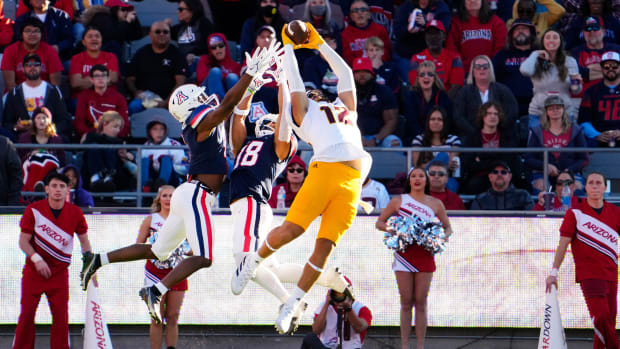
[{"x": 336, "y": 298}]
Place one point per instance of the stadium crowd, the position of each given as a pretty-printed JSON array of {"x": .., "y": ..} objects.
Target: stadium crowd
[{"x": 428, "y": 73}]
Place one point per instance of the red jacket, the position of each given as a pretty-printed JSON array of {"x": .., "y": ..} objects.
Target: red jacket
[
  {"x": 6, "y": 30},
  {"x": 472, "y": 38},
  {"x": 353, "y": 39},
  {"x": 450, "y": 200},
  {"x": 207, "y": 62}
]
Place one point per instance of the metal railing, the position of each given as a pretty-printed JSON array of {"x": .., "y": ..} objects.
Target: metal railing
[{"x": 138, "y": 148}]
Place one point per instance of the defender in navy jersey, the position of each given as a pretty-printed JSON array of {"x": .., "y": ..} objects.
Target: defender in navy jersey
[
  {"x": 190, "y": 216},
  {"x": 259, "y": 161}
]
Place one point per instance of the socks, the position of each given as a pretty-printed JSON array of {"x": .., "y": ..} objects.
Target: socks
[
  {"x": 161, "y": 288},
  {"x": 296, "y": 295},
  {"x": 103, "y": 258}
]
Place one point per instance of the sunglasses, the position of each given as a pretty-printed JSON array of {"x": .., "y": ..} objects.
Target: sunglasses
[
  {"x": 425, "y": 74},
  {"x": 213, "y": 47},
  {"x": 32, "y": 64},
  {"x": 564, "y": 182},
  {"x": 437, "y": 173},
  {"x": 484, "y": 66},
  {"x": 33, "y": 31},
  {"x": 360, "y": 9},
  {"x": 125, "y": 9},
  {"x": 181, "y": 9},
  {"x": 502, "y": 172},
  {"x": 610, "y": 66},
  {"x": 100, "y": 76},
  {"x": 293, "y": 170},
  {"x": 161, "y": 31},
  {"x": 592, "y": 29}
]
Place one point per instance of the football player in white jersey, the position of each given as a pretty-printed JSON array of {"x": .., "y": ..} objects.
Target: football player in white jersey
[{"x": 333, "y": 185}]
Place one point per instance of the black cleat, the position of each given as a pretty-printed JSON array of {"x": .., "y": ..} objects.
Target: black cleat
[
  {"x": 151, "y": 296},
  {"x": 90, "y": 263}
]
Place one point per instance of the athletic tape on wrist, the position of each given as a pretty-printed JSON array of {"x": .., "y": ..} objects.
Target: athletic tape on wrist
[
  {"x": 241, "y": 112},
  {"x": 36, "y": 258},
  {"x": 320, "y": 270},
  {"x": 554, "y": 272}
]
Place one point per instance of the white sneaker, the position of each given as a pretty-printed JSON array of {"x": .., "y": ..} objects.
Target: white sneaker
[
  {"x": 294, "y": 324},
  {"x": 246, "y": 270},
  {"x": 287, "y": 312}
]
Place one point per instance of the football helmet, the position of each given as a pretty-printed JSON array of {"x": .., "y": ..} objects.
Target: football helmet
[
  {"x": 188, "y": 97},
  {"x": 264, "y": 126}
]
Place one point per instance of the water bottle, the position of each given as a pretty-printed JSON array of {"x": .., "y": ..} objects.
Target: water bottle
[
  {"x": 281, "y": 196},
  {"x": 565, "y": 198},
  {"x": 457, "y": 171}
]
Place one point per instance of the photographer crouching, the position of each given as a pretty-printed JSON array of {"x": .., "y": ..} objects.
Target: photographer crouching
[{"x": 339, "y": 322}]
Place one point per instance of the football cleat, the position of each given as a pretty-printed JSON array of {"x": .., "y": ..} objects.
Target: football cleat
[
  {"x": 90, "y": 263},
  {"x": 289, "y": 316},
  {"x": 150, "y": 296},
  {"x": 244, "y": 273}
]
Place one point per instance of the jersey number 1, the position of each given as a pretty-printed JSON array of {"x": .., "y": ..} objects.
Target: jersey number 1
[{"x": 342, "y": 114}]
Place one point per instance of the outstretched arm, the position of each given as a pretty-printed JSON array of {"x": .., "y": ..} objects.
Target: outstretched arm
[
  {"x": 299, "y": 101},
  {"x": 238, "y": 131},
  {"x": 285, "y": 142}
]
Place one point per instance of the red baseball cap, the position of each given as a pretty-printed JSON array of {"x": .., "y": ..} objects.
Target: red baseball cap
[
  {"x": 436, "y": 24},
  {"x": 363, "y": 63},
  {"x": 119, "y": 3}
]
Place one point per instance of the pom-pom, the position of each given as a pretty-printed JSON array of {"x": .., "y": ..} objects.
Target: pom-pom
[{"x": 406, "y": 231}]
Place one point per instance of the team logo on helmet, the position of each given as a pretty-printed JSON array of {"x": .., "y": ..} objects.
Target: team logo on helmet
[{"x": 181, "y": 97}]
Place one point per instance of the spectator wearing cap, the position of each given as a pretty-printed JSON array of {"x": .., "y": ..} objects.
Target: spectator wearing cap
[
  {"x": 476, "y": 31},
  {"x": 502, "y": 195},
  {"x": 6, "y": 28},
  {"x": 528, "y": 10},
  {"x": 118, "y": 24},
  {"x": 519, "y": 46},
  {"x": 57, "y": 28},
  {"x": 600, "y": 104},
  {"x": 438, "y": 176},
  {"x": 387, "y": 72},
  {"x": 448, "y": 64},
  {"x": 482, "y": 87},
  {"x": 588, "y": 54},
  {"x": 216, "y": 70},
  {"x": 82, "y": 63},
  {"x": 157, "y": 67},
  {"x": 266, "y": 14},
  {"x": 317, "y": 74},
  {"x": 552, "y": 71},
  {"x": 338, "y": 319},
  {"x": 377, "y": 108},
  {"x": 34, "y": 93},
  {"x": 360, "y": 28},
  {"x": 192, "y": 30},
  {"x": 96, "y": 100},
  {"x": 410, "y": 32},
  {"x": 30, "y": 33},
  {"x": 606, "y": 11},
  {"x": 296, "y": 173},
  {"x": 159, "y": 166},
  {"x": 555, "y": 131}
]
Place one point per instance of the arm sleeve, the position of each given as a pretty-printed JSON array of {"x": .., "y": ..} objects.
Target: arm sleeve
[
  {"x": 366, "y": 315},
  {"x": 82, "y": 226},
  {"x": 569, "y": 225},
  {"x": 528, "y": 67},
  {"x": 457, "y": 73},
  {"x": 26, "y": 224}
]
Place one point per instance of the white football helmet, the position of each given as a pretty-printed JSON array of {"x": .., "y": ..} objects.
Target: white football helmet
[
  {"x": 188, "y": 97},
  {"x": 264, "y": 125}
]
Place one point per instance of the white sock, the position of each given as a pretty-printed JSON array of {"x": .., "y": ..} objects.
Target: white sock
[
  {"x": 161, "y": 287},
  {"x": 258, "y": 258},
  {"x": 297, "y": 294},
  {"x": 270, "y": 282},
  {"x": 103, "y": 258}
]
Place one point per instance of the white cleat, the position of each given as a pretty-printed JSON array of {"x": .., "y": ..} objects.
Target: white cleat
[
  {"x": 295, "y": 319},
  {"x": 288, "y": 312},
  {"x": 246, "y": 270}
]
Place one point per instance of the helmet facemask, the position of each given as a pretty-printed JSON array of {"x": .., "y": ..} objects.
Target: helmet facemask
[{"x": 265, "y": 125}]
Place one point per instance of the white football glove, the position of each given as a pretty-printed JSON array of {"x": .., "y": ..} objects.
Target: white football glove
[
  {"x": 277, "y": 73},
  {"x": 262, "y": 59}
]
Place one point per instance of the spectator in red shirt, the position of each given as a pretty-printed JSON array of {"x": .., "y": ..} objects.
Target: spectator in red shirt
[
  {"x": 96, "y": 100},
  {"x": 448, "y": 64},
  {"x": 476, "y": 31},
  {"x": 359, "y": 29},
  {"x": 438, "y": 175},
  {"x": 6, "y": 28},
  {"x": 12, "y": 69},
  {"x": 216, "y": 68},
  {"x": 82, "y": 63},
  {"x": 295, "y": 175}
]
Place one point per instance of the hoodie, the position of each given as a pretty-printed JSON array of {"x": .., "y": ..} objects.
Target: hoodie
[
  {"x": 79, "y": 195},
  {"x": 208, "y": 61}
]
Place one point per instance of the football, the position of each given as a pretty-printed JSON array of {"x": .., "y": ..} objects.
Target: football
[{"x": 297, "y": 31}]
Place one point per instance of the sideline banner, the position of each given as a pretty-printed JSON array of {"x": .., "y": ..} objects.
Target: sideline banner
[
  {"x": 96, "y": 334},
  {"x": 551, "y": 332}
]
